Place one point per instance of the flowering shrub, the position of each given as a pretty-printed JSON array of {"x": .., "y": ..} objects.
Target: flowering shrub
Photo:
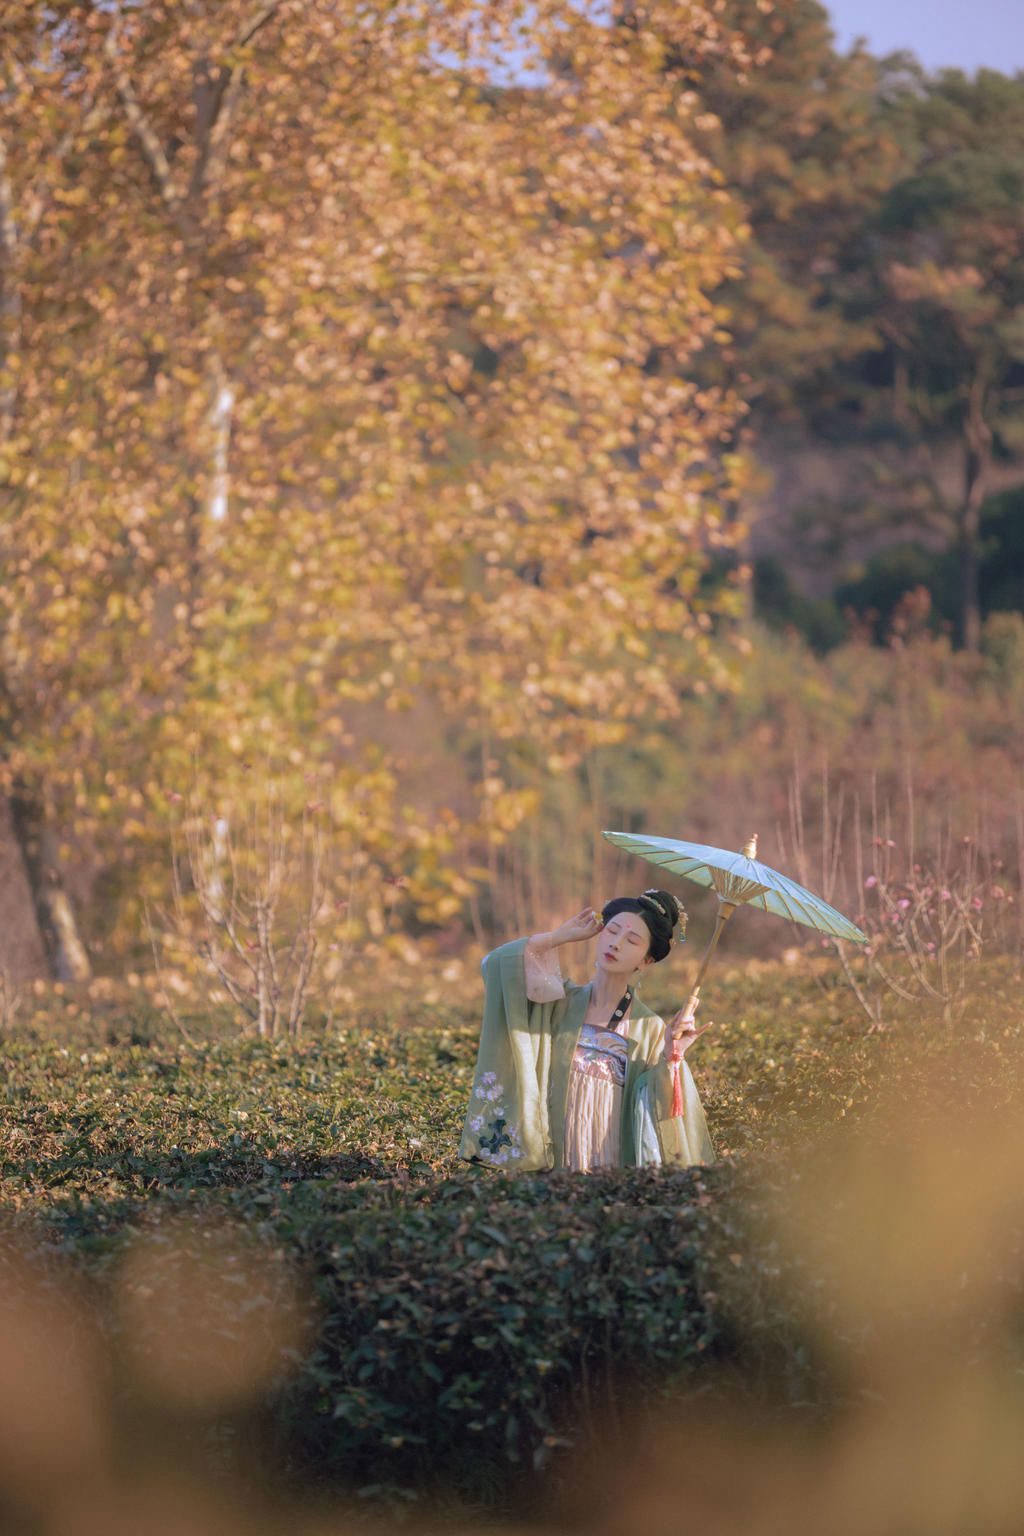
[{"x": 929, "y": 928}]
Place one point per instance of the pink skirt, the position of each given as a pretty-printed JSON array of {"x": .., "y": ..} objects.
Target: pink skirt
[{"x": 593, "y": 1122}]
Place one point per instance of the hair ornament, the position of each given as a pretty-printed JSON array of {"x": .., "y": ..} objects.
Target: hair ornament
[{"x": 652, "y": 898}]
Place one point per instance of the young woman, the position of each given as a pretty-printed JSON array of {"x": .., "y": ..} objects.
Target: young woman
[{"x": 582, "y": 1077}]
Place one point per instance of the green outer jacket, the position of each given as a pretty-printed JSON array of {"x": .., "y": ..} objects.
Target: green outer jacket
[{"x": 516, "y": 1114}]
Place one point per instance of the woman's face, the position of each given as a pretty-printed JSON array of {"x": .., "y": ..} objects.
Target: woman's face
[{"x": 623, "y": 943}]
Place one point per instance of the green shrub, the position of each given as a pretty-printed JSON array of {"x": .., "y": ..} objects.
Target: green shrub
[{"x": 469, "y": 1328}]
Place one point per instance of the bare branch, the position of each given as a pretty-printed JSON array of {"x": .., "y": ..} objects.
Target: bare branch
[
  {"x": 239, "y": 997},
  {"x": 309, "y": 936},
  {"x": 213, "y": 154},
  {"x": 256, "y": 22},
  {"x": 36, "y": 204},
  {"x": 214, "y": 132},
  {"x": 871, "y": 1007},
  {"x": 144, "y": 131}
]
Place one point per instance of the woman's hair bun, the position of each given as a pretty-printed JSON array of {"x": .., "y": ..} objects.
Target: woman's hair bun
[{"x": 664, "y": 903}]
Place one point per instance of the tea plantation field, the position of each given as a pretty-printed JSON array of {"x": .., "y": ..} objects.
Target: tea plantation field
[{"x": 284, "y": 1258}]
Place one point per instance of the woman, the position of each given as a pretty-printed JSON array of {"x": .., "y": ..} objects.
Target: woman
[{"x": 581, "y": 1077}]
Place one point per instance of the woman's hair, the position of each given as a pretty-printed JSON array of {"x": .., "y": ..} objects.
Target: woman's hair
[{"x": 660, "y": 910}]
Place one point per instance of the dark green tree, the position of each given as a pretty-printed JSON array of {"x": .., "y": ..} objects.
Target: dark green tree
[
  {"x": 800, "y": 139},
  {"x": 881, "y": 291},
  {"x": 948, "y": 269}
]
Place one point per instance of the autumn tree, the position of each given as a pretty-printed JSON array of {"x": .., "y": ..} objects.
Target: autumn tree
[{"x": 367, "y": 384}]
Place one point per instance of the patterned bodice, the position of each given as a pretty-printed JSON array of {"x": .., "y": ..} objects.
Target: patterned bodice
[{"x": 601, "y": 1053}]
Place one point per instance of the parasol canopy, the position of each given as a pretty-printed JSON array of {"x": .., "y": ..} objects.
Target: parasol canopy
[{"x": 739, "y": 879}]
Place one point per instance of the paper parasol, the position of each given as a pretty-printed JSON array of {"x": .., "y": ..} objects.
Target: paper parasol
[{"x": 738, "y": 879}]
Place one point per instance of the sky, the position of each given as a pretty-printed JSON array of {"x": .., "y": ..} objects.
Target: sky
[
  {"x": 942, "y": 34},
  {"x": 962, "y": 34}
]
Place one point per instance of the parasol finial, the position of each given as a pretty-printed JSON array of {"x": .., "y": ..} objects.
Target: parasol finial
[{"x": 749, "y": 849}]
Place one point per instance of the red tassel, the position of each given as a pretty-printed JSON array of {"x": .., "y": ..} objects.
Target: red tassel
[{"x": 677, "y": 1091}]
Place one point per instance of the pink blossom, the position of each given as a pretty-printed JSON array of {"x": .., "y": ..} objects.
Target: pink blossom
[
  {"x": 977, "y": 903},
  {"x": 870, "y": 882},
  {"x": 903, "y": 904},
  {"x": 998, "y": 893},
  {"x": 945, "y": 895}
]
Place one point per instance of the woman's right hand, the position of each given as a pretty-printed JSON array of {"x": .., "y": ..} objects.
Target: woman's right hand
[{"x": 585, "y": 925}]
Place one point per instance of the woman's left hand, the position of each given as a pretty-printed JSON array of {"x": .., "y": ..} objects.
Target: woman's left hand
[{"x": 680, "y": 1033}]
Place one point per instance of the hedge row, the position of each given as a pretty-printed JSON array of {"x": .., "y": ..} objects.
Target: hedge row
[{"x": 468, "y": 1330}]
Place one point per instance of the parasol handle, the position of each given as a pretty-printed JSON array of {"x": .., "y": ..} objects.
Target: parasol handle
[{"x": 725, "y": 911}]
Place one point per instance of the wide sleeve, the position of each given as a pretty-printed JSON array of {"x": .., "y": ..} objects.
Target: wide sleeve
[
  {"x": 507, "y": 1122},
  {"x": 543, "y": 972},
  {"x": 659, "y": 1136}
]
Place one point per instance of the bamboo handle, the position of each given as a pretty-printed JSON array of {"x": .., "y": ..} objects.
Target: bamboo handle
[{"x": 725, "y": 911}]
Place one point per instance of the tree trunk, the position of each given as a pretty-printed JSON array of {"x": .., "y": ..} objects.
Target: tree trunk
[
  {"x": 222, "y": 400},
  {"x": 66, "y": 954},
  {"x": 10, "y": 302},
  {"x": 901, "y": 389},
  {"x": 970, "y": 518},
  {"x": 977, "y": 458}
]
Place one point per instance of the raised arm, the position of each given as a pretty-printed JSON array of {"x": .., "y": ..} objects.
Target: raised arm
[{"x": 544, "y": 980}]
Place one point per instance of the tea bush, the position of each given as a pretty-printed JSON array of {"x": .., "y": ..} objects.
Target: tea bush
[{"x": 467, "y": 1327}]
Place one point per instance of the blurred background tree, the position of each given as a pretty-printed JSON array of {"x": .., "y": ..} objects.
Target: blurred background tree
[
  {"x": 362, "y": 391},
  {"x": 878, "y": 314},
  {"x": 950, "y": 272},
  {"x": 444, "y": 447},
  {"x": 801, "y": 141}
]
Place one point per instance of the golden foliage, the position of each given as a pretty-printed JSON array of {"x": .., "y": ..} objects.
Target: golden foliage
[{"x": 340, "y": 375}]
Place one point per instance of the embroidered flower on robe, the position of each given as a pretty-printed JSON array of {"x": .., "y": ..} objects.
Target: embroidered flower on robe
[{"x": 500, "y": 1142}]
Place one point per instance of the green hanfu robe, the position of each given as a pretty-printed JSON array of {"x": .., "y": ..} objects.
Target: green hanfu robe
[{"x": 517, "y": 1108}]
